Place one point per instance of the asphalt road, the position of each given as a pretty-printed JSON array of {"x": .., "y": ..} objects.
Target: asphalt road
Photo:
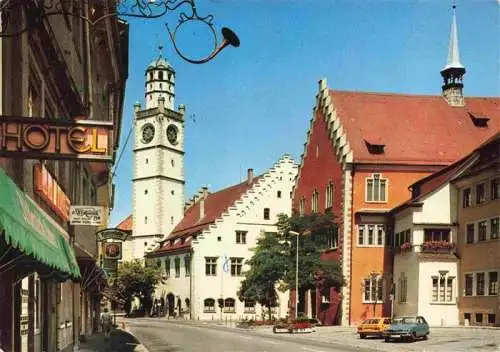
[{"x": 163, "y": 335}]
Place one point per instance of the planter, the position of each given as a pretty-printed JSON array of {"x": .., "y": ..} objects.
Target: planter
[{"x": 282, "y": 330}]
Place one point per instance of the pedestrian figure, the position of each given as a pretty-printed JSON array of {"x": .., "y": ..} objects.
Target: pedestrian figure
[{"x": 107, "y": 323}]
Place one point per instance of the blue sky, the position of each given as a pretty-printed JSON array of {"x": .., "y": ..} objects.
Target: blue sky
[{"x": 251, "y": 105}]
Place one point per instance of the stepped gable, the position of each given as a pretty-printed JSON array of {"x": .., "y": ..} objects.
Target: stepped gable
[
  {"x": 414, "y": 129},
  {"x": 215, "y": 205}
]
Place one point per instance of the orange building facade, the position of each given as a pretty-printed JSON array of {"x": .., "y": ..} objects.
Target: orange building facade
[{"x": 363, "y": 151}]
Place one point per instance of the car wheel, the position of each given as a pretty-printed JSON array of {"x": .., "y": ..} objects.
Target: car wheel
[
  {"x": 362, "y": 336},
  {"x": 387, "y": 339},
  {"x": 426, "y": 336},
  {"x": 413, "y": 335}
]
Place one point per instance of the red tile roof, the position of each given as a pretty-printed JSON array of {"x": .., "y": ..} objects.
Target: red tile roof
[
  {"x": 126, "y": 224},
  {"x": 432, "y": 182},
  {"x": 415, "y": 129},
  {"x": 215, "y": 204}
]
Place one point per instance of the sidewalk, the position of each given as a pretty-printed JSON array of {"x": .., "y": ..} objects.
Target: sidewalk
[{"x": 120, "y": 341}]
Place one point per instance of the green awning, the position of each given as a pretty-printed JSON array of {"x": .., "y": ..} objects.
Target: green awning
[{"x": 29, "y": 229}]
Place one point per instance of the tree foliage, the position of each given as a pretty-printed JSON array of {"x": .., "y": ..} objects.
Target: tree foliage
[
  {"x": 315, "y": 230},
  {"x": 136, "y": 280},
  {"x": 267, "y": 267},
  {"x": 274, "y": 259}
]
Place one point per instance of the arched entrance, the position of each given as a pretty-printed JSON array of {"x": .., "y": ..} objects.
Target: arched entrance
[{"x": 170, "y": 304}]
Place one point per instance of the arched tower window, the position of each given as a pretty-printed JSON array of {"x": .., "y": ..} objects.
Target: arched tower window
[
  {"x": 160, "y": 75},
  {"x": 150, "y": 76}
]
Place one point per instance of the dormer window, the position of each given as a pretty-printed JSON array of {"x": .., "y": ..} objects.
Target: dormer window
[
  {"x": 375, "y": 148},
  {"x": 479, "y": 121}
]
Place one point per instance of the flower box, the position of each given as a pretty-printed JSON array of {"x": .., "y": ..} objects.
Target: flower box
[
  {"x": 438, "y": 246},
  {"x": 282, "y": 329},
  {"x": 302, "y": 327}
]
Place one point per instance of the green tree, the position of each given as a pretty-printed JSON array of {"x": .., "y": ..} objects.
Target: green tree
[
  {"x": 315, "y": 230},
  {"x": 274, "y": 259},
  {"x": 136, "y": 280},
  {"x": 267, "y": 268}
]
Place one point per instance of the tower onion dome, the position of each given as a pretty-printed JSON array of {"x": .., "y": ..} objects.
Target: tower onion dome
[{"x": 160, "y": 63}]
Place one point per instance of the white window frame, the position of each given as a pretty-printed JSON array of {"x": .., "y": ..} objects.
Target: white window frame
[
  {"x": 469, "y": 203},
  {"x": 372, "y": 178},
  {"x": 376, "y": 280},
  {"x": 333, "y": 239},
  {"x": 330, "y": 191},
  {"x": 443, "y": 292},
  {"x": 236, "y": 262},
  {"x": 212, "y": 261},
  {"x": 375, "y": 228},
  {"x": 315, "y": 202},
  {"x": 476, "y": 230},
  {"x": 487, "y": 292},
  {"x": 241, "y": 237},
  {"x": 177, "y": 266},
  {"x": 486, "y": 282},
  {"x": 403, "y": 288},
  {"x": 302, "y": 206}
]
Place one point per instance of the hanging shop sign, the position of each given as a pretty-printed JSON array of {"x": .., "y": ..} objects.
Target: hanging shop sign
[
  {"x": 86, "y": 215},
  {"x": 113, "y": 250},
  {"x": 112, "y": 234},
  {"x": 49, "y": 190},
  {"x": 110, "y": 267},
  {"x": 40, "y": 138}
]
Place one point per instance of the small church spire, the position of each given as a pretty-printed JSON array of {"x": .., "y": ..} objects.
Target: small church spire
[
  {"x": 453, "y": 53},
  {"x": 454, "y": 71}
]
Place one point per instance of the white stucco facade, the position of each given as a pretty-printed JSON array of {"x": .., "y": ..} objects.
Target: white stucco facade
[
  {"x": 272, "y": 191},
  {"x": 426, "y": 279},
  {"x": 158, "y": 174}
]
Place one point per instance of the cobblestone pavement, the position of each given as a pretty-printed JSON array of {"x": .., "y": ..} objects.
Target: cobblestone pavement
[
  {"x": 440, "y": 339},
  {"x": 456, "y": 339}
]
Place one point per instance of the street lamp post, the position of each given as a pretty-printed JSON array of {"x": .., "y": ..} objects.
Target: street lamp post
[{"x": 296, "y": 273}]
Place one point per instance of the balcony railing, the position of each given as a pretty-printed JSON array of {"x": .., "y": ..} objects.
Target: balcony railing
[{"x": 426, "y": 247}]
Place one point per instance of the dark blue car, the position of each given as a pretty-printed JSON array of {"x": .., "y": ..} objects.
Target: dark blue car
[{"x": 411, "y": 327}]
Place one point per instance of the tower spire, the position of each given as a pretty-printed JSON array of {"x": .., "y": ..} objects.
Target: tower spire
[
  {"x": 453, "y": 53},
  {"x": 454, "y": 71}
]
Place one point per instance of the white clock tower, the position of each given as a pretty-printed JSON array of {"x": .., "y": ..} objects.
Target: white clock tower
[{"x": 158, "y": 180}]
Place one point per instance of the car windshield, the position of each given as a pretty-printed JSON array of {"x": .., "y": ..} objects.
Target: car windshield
[{"x": 405, "y": 320}]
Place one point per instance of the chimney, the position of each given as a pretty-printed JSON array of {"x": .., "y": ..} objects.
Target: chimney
[
  {"x": 202, "y": 201},
  {"x": 250, "y": 176}
]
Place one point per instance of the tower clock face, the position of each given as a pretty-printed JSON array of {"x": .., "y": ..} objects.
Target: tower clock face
[
  {"x": 172, "y": 134},
  {"x": 148, "y": 132}
]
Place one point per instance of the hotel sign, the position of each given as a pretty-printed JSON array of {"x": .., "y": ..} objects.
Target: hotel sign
[
  {"x": 40, "y": 138},
  {"x": 86, "y": 215}
]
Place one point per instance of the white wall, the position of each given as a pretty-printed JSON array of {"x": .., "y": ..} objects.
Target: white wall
[
  {"x": 437, "y": 314},
  {"x": 406, "y": 263},
  {"x": 436, "y": 207},
  {"x": 245, "y": 215}
]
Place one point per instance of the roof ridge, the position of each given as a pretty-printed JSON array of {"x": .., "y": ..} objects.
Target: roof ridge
[{"x": 406, "y": 94}]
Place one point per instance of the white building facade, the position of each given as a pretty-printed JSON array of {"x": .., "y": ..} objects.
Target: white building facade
[
  {"x": 425, "y": 270},
  {"x": 203, "y": 259},
  {"x": 158, "y": 175}
]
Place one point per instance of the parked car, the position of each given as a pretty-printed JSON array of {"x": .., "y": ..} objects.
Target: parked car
[
  {"x": 373, "y": 327},
  {"x": 410, "y": 327}
]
